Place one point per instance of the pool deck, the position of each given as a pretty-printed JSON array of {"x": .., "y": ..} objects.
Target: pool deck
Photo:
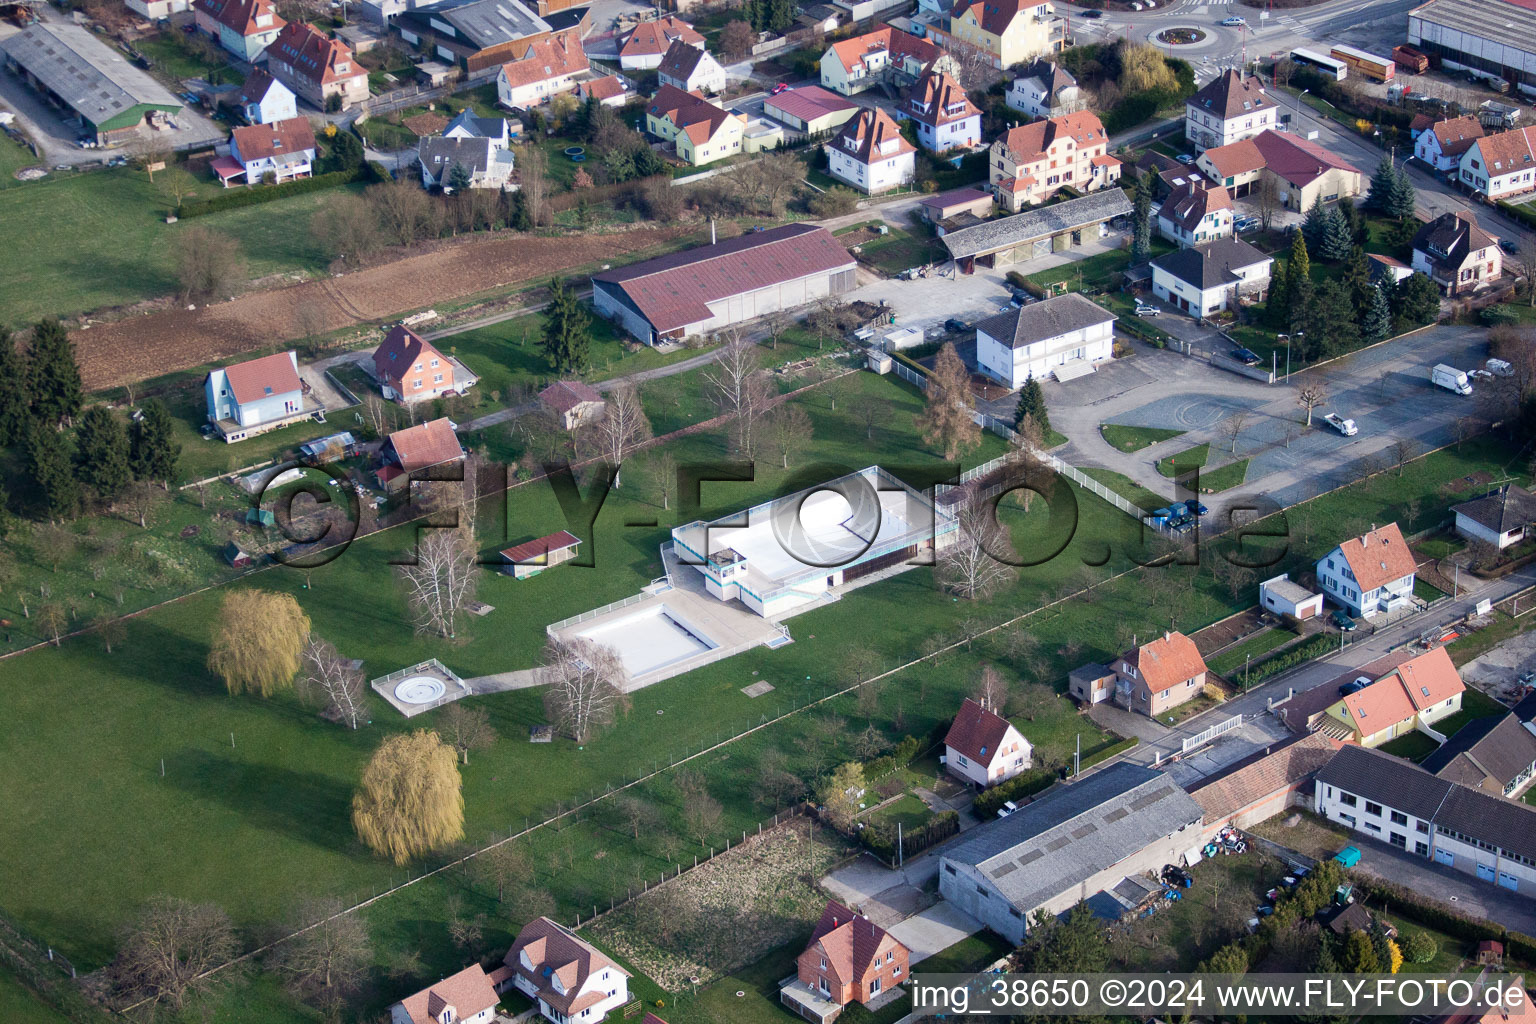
[
  {"x": 453, "y": 687},
  {"x": 728, "y": 624}
]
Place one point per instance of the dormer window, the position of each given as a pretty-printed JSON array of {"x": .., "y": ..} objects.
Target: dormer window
[{"x": 343, "y": 67}]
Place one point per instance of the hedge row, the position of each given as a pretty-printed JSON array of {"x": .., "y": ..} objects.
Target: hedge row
[
  {"x": 1137, "y": 327},
  {"x": 1020, "y": 787},
  {"x": 899, "y": 757},
  {"x": 912, "y": 365},
  {"x": 1314, "y": 648},
  {"x": 1019, "y": 280},
  {"x": 1520, "y": 213},
  {"x": 1440, "y": 918},
  {"x": 881, "y": 839},
  {"x": 236, "y": 199}
]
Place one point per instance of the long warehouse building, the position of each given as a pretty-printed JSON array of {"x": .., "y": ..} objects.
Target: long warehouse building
[
  {"x": 709, "y": 287},
  {"x": 1493, "y": 38}
]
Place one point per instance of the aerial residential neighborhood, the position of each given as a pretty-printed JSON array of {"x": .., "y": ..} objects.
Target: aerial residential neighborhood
[{"x": 719, "y": 513}]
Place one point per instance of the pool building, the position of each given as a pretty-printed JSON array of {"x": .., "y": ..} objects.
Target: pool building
[{"x": 778, "y": 557}]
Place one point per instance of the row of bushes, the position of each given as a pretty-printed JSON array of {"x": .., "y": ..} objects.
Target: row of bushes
[
  {"x": 1018, "y": 280},
  {"x": 1282, "y": 660},
  {"x": 900, "y": 756},
  {"x": 236, "y": 199},
  {"x": 1137, "y": 327},
  {"x": 1524, "y": 214},
  {"x": 910, "y": 364},
  {"x": 880, "y": 840},
  {"x": 1440, "y": 918},
  {"x": 1020, "y": 787}
]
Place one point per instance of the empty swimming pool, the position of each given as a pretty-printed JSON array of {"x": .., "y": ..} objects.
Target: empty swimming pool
[{"x": 650, "y": 639}]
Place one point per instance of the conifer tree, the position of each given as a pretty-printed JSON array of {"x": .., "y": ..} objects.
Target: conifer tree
[
  {"x": 53, "y": 378},
  {"x": 48, "y": 465},
  {"x": 153, "y": 451},
  {"x": 101, "y": 452},
  {"x": 567, "y": 329}
]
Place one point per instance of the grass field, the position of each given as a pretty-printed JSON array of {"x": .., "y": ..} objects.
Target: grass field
[
  {"x": 895, "y": 251},
  {"x": 1134, "y": 439},
  {"x": 19, "y": 1004},
  {"x": 251, "y": 811},
  {"x": 85, "y": 240},
  {"x": 1127, "y": 488},
  {"x": 1224, "y": 477},
  {"x": 13, "y": 157},
  {"x": 1474, "y": 704},
  {"x": 1415, "y": 746}
]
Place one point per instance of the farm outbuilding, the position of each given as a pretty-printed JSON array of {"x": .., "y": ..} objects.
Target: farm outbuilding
[
  {"x": 76, "y": 71},
  {"x": 1283, "y": 597},
  {"x": 533, "y": 557},
  {"x": 1039, "y": 232}
]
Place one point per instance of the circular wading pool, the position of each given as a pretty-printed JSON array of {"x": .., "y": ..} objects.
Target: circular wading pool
[{"x": 419, "y": 690}]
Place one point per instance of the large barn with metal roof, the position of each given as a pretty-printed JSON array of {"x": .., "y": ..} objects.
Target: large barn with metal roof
[
  {"x": 703, "y": 289},
  {"x": 88, "y": 79}
]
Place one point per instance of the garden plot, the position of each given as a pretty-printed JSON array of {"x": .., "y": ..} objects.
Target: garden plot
[{"x": 726, "y": 914}]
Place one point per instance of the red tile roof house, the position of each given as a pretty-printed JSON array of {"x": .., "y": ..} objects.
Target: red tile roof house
[
  {"x": 317, "y": 68},
  {"x": 532, "y": 557},
  {"x": 703, "y": 289},
  {"x": 569, "y": 979},
  {"x": 410, "y": 369},
  {"x": 546, "y": 68},
  {"x": 468, "y": 997},
  {"x": 645, "y": 44},
  {"x": 1160, "y": 675},
  {"x": 284, "y": 149},
  {"x": 610, "y": 90},
  {"x": 256, "y": 396},
  {"x": 243, "y": 27},
  {"x": 415, "y": 449},
  {"x": 1195, "y": 213},
  {"x": 983, "y": 748},
  {"x": 1369, "y": 574},
  {"x": 946, "y": 118},
  {"x": 1442, "y": 143},
  {"x": 1031, "y": 163},
  {"x": 870, "y": 153},
  {"x": 1261, "y": 786},
  {"x": 1457, "y": 254},
  {"x": 850, "y": 959},
  {"x": 574, "y": 401},
  {"x": 1501, "y": 165}
]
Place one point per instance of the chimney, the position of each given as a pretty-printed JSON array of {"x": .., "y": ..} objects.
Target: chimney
[{"x": 1167, "y": 635}]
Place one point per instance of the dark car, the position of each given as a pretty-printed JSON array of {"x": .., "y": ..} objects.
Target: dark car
[
  {"x": 1344, "y": 622},
  {"x": 1092, "y": 15},
  {"x": 1509, "y": 245},
  {"x": 1246, "y": 356},
  {"x": 955, "y": 324},
  {"x": 1195, "y": 508}
]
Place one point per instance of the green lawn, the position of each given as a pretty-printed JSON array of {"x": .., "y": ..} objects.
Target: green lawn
[
  {"x": 1127, "y": 488},
  {"x": 1426, "y": 591},
  {"x": 1134, "y": 439},
  {"x": 1474, "y": 704},
  {"x": 1184, "y": 461},
  {"x": 1223, "y": 477},
  {"x": 18, "y": 1003},
  {"x": 1206, "y": 917},
  {"x": 175, "y": 58},
  {"x": 1229, "y": 663},
  {"x": 895, "y": 251},
  {"x": 906, "y": 810},
  {"x": 1448, "y": 951},
  {"x": 1414, "y": 746},
  {"x": 86, "y": 240},
  {"x": 1094, "y": 273},
  {"x": 13, "y": 157}
]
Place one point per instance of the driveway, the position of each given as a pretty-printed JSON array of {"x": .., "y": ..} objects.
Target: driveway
[{"x": 935, "y": 929}]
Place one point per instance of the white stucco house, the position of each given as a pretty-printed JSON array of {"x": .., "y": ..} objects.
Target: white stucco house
[
  {"x": 1232, "y": 106},
  {"x": 1369, "y": 574},
  {"x": 870, "y": 154},
  {"x": 568, "y": 979},
  {"x": 1207, "y": 278},
  {"x": 265, "y": 100},
  {"x": 468, "y": 997},
  {"x": 1066, "y": 336},
  {"x": 983, "y": 748},
  {"x": 283, "y": 149}
]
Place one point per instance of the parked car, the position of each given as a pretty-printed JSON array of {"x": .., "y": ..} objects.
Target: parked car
[
  {"x": 781, "y": 87},
  {"x": 1186, "y": 158},
  {"x": 1142, "y": 310},
  {"x": 1509, "y": 245},
  {"x": 1355, "y": 685},
  {"x": 1500, "y": 368},
  {"x": 1008, "y": 808},
  {"x": 954, "y": 323},
  {"x": 1344, "y": 426},
  {"x": 1195, "y": 508},
  {"x": 1246, "y": 356},
  {"x": 1343, "y": 621}
]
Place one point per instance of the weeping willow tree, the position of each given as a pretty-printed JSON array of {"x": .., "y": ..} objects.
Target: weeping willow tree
[
  {"x": 259, "y": 644},
  {"x": 409, "y": 801}
]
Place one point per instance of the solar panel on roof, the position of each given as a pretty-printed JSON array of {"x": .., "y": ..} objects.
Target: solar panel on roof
[
  {"x": 1116, "y": 814},
  {"x": 1030, "y": 857},
  {"x": 1006, "y": 869},
  {"x": 1084, "y": 830},
  {"x": 1057, "y": 843}
]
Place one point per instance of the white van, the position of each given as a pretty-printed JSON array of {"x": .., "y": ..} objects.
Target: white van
[{"x": 1451, "y": 379}]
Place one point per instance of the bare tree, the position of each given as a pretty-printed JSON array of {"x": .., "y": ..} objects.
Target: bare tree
[
  {"x": 533, "y": 183},
  {"x": 331, "y": 681},
  {"x": 1232, "y": 429},
  {"x": 402, "y": 210},
  {"x": 504, "y": 867},
  {"x": 758, "y": 395},
  {"x": 1311, "y": 395},
  {"x": 1266, "y": 196},
  {"x": 109, "y": 630},
  {"x": 1528, "y": 271},
  {"x": 774, "y": 783},
  {"x": 871, "y": 411},
  {"x": 208, "y": 264},
  {"x": 622, "y": 426},
  {"x": 702, "y": 813},
  {"x": 466, "y": 728},
  {"x": 165, "y": 953},
  {"x": 790, "y": 428},
  {"x": 992, "y": 690},
  {"x": 328, "y": 960},
  {"x": 151, "y": 152},
  {"x": 662, "y": 468},
  {"x": 586, "y": 689},
  {"x": 970, "y": 565},
  {"x": 726, "y": 378},
  {"x": 1465, "y": 427},
  {"x": 379, "y": 415},
  {"x": 53, "y": 620},
  {"x": 175, "y": 185},
  {"x": 348, "y": 226},
  {"x": 443, "y": 578},
  {"x": 1404, "y": 451}
]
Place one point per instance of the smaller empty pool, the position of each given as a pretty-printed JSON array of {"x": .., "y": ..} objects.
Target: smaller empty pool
[
  {"x": 650, "y": 640},
  {"x": 419, "y": 690}
]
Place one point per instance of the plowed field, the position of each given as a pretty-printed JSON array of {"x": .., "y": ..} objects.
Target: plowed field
[{"x": 140, "y": 347}]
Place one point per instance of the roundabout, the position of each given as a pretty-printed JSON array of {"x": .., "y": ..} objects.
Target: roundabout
[{"x": 1181, "y": 36}]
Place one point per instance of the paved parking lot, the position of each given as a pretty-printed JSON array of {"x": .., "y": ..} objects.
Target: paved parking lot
[{"x": 1385, "y": 390}]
